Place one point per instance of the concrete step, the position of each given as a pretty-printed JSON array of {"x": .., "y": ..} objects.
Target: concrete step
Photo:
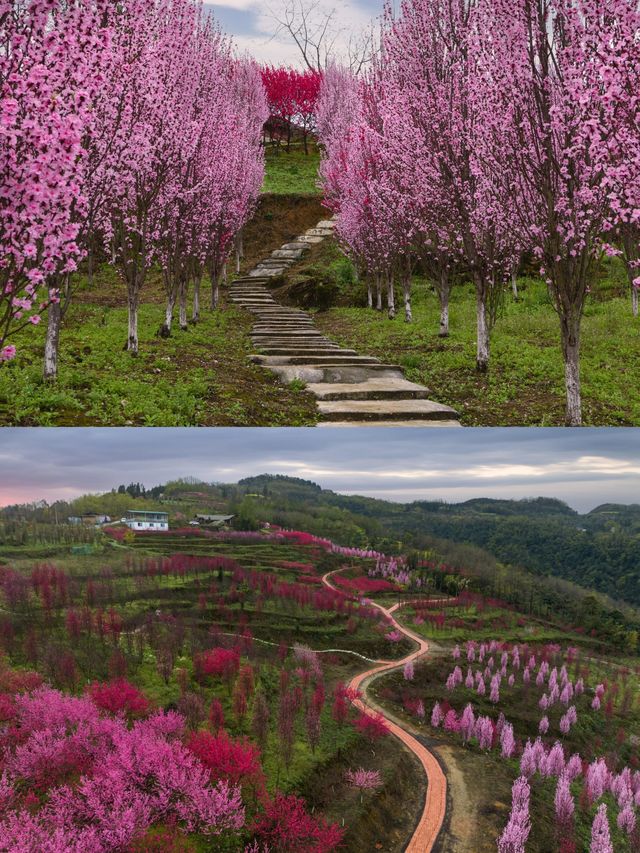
[
  {"x": 372, "y": 389},
  {"x": 422, "y": 424},
  {"x": 384, "y": 410},
  {"x": 269, "y": 360}
]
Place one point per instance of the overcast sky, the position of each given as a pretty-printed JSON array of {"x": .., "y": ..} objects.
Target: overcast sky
[
  {"x": 251, "y": 24},
  {"x": 584, "y": 467}
]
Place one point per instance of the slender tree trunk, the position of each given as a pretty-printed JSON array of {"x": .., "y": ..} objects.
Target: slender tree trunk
[
  {"x": 482, "y": 330},
  {"x": 391, "y": 305},
  {"x": 168, "y": 315},
  {"x": 514, "y": 285},
  {"x": 215, "y": 288},
  {"x": 406, "y": 290},
  {"x": 182, "y": 300},
  {"x": 378, "y": 291},
  {"x": 570, "y": 334},
  {"x": 444, "y": 314},
  {"x": 196, "y": 299},
  {"x": 90, "y": 263},
  {"x": 132, "y": 304},
  {"x": 634, "y": 300},
  {"x": 369, "y": 293},
  {"x": 239, "y": 246},
  {"x": 54, "y": 317}
]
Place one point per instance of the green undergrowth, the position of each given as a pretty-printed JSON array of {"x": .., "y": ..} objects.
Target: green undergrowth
[
  {"x": 197, "y": 377},
  {"x": 525, "y": 383}
]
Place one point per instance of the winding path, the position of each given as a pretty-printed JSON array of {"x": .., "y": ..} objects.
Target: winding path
[{"x": 433, "y": 814}]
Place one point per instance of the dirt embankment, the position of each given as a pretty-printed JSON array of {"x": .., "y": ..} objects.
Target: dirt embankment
[{"x": 278, "y": 219}]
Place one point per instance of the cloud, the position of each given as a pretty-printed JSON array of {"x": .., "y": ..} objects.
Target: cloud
[
  {"x": 255, "y": 30},
  {"x": 584, "y": 467}
]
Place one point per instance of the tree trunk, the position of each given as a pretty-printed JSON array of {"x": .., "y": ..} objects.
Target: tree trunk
[
  {"x": 196, "y": 299},
  {"x": 54, "y": 317},
  {"x": 482, "y": 332},
  {"x": 444, "y": 314},
  {"x": 378, "y": 291},
  {"x": 369, "y": 293},
  {"x": 215, "y": 288},
  {"x": 132, "y": 337},
  {"x": 391, "y": 304},
  {"x": 570, "y": 334},
  {"x": 239, "y": 246},
  {"x": 634, "y": 300},
  {"x": 182, "y": 300},
  {"x": 406, "y": 290},
  {"x": 514, "y": 285}
]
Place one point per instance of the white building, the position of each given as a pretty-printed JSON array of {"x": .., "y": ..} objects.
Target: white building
[{"x": 138, "y": 519}]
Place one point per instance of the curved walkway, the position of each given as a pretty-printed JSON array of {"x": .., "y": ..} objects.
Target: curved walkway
[{"x": 432, "y": 818}]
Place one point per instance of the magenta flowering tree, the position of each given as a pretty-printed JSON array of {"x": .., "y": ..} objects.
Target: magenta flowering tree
[
  {"x": 124, "y": 779},
  {"x": 50, "y": 72}
]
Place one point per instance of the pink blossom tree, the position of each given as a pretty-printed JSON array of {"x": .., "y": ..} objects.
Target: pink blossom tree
[
  {"x": 50, "y": 73},
  {"x": 516, "y": 833}
]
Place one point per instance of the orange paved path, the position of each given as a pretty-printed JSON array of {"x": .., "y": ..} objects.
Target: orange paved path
[{"x": 433, "y": 814}]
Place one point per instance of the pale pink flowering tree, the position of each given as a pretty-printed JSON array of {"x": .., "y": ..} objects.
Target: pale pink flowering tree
[
  {"x": 50, "y": 72},
  {"x": 600, "y": 835},
  {"x": 516, "y": 832},
  {"x": 545, "y": 119},
  {"x": 363, "y": 780}
]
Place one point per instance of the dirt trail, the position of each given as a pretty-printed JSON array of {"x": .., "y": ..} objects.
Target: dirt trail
[{"x": 430, "y": 822}]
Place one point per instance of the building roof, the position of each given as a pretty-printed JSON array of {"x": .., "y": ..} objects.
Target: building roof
[
  {"x": 146, "y": 512},
  {"x": 214, "y": 518}
]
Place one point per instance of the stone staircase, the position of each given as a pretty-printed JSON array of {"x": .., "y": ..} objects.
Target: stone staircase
[{"x": 351, "y": 389}]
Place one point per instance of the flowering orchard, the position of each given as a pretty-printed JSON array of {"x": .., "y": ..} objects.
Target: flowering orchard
[
  {"x": 243, "y": 716},
  {"x": 129, "y": 130},
  {"x": 566, "y": 724},
  {"x": 486, "y": 132}
]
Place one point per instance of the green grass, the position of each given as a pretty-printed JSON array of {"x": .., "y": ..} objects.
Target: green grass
[
  {"x": 197, "y": 377},
  {"x": 525, "y": 384},
  {"x": 291, "y": 171}
]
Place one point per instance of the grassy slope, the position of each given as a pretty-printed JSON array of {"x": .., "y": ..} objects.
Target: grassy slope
[
  {"x": 292, "y": 171},
  {"x": 525, "y": 385}
]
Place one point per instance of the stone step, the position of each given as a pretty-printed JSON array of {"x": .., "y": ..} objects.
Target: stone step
[
  {"x": 269, "y": 360},
  {"x": 383, "y": 410},
  {"x": 418, "y": 423},
  {"x": 326, "y": 223},
  {"x": 341, "y": 373},
  {"x": 372, "y": 389},
  {"x": 287, "y": 254},
  {"x": 319, "y": 232},
  {"x": 306, "y": 341},
  {"x": 271, "y": 272},
  {"x": 309, "y": 239},
  {"x": 297, "y": 244},
  {"x": 294, "y": 352}
]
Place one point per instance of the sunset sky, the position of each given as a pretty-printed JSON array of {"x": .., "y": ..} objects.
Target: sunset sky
[{"x": 584, "y": 467}]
